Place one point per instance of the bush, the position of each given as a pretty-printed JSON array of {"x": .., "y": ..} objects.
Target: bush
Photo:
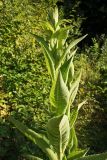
[{"x": 23, "y": 74}]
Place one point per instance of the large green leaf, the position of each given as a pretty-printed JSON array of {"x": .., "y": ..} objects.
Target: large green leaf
[
  {"x": 55, "y": 53},
  {"x": 50, "y": 65},
  {"x": 74, "y": 43},
  {"x": 73, "y": 142},
  {"x": 65, "y": 69},
  {"x": 70, "y": 74},
  {"x": 74, "y": 113},
  {"x": 42, "y": 42},
  {"x": 64, "y": 21},
  {"x": 59, "y": 95},
  {"x": 55, "y": 15},
  {"x": 48, "y": 55},
  {"x": 74, "y": 88},
  {"x": 77, "y": 154},
  {"x": 102, "y": 156},
  {"x": 58, "y": 132},
  {"x": 37, "y": 138},
  {"x": 70, "y": 46},
  {"x": 49, "y": 27},
  {"x": 61, "y": 36},
  {"x": 71, "y": 54},
  {"x": 71, "y": 69},
  {"x": 73, "y": 116},
  {"x": 51, "y": 19},
  {"x": 31, "y": 157}
]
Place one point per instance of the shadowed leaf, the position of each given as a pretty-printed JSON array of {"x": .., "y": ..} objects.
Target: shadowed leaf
[{"x": 102, "y": 156}]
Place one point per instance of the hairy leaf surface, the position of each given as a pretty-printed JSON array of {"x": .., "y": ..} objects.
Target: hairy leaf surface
[
  {"x": 58, "y": 132},
  {"x": 59, "y": 95}
]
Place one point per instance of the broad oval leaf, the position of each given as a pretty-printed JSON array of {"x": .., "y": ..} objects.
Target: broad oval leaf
[
  {"x": 37, "y": 138},
  {"x": 59, "y": 95},
  {"x": 58, "y": 132}
]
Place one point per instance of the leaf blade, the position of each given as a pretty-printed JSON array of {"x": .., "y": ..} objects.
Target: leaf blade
[
  {"x": 59, "y": 95},
  {"x": 70, "y": 46},
  {"x": 60, "y": 135},
  {"x": 74, "y": 88},
  {"x": 48, "y": 56},
  {"x": 31, "y": 157},
  {"x": 37, "y": 138},
  {"x": 102, "y": 156},
  {"x": 74, "y": 43},
  {"x": 77, "y": 154}
]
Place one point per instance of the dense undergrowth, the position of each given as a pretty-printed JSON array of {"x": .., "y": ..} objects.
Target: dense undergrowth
[{"x": 24, "y": 81}]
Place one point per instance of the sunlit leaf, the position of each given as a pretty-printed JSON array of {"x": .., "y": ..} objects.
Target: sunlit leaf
[
  {"x": 65, "y": 69},
  {"x": 49, "y": 27},
  {"x": 74, "y": 43},
  {"x": 55, "y": 15},
  {"x": 74, "y": 88},
  {"x": 58, "y": 132},
  {"x": 48, "y": 55},
  {"x": 73, "y": 142},
  {"x": 59, "y": 95}
]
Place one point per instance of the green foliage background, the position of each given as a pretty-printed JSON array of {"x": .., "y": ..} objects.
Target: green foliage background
[{"x": 25, "y": 83}]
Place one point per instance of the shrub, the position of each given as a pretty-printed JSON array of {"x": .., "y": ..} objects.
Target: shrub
[{"x": 22, "y": 69}]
